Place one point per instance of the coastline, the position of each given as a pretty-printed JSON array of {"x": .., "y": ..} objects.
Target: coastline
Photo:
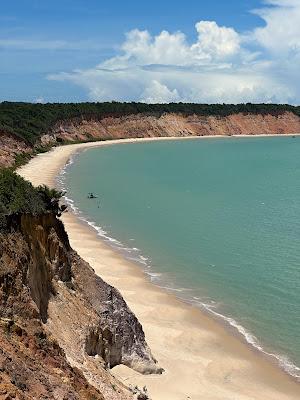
[{"x": 202, "y": 359}]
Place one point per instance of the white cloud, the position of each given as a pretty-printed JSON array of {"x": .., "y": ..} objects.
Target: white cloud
[
  {"x": 165, "y": 48},
  {"x": 159, "y": 93},
  {"x": 220, "y": 66},
  {"x": 281, "y": 35},
  {"x": 215, "y": 42},
  {"x": 39, "y": 100}
]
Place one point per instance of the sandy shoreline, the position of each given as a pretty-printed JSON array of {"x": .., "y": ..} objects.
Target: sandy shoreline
[{"x": 202, "y": 359}]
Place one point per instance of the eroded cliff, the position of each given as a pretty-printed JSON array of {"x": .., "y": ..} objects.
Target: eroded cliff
[
  {"x": 142, "y": 125},
  {"x": 147, "y": 125},
  {"x": 61, "y": 326},
  {"x": 10, "y": 147}
]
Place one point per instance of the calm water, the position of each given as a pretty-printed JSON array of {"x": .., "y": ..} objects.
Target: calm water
[{"x": 217, "y": 220}]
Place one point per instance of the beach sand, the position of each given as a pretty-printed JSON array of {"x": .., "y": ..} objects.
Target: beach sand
[{"x": 202, "y": 358}]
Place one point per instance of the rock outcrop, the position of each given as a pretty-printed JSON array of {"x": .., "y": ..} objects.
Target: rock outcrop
[
  {"x": 61, "y": 326},
  {"x": 10, "y": 147}
]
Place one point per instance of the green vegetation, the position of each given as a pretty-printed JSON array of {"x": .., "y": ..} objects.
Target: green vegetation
[
  {"x": 51, "y": 199},
  {"x": 21, "y": 159},
  {"x": 18, "y": 196},
  {"x": 29, "y": 121}
]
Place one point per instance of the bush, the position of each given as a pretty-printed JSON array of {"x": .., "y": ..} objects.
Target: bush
[
  {"x": 18, "y": 196},
  {"x": 21, "y": 159},
  {"x": 51, "y": 198}
]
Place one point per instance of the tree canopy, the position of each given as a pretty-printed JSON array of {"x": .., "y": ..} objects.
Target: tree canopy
[
  {"x": 18, "y": 196},
  {"x": 29, "y": 121}
]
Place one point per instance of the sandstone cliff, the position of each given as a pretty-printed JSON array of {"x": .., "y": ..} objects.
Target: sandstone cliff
[
  {"x": 141, "y": 125},
  {"x": 147, "y": 125},
  {"x": 10, "y": 147},
  {"x": 61, "y": 326}
]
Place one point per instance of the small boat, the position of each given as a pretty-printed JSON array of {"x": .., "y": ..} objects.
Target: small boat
[{"x": 91, "y": 196}]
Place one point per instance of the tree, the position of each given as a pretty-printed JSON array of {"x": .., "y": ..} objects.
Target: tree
[
  {"x": 18, "y": 196},
  {"x": 52, "y": 197}
]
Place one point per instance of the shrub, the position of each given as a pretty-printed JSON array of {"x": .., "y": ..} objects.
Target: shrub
[{"x": 18, "y": 196}]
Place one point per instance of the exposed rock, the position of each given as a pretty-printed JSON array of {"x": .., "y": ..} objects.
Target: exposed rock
[
  {"x": 33, "y": 366},
  {"x": 10, "y": 146},
  {"x": 143, "y": 125},
  {"x": 58, "y": 318}
]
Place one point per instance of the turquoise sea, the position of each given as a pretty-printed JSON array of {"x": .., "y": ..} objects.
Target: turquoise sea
[{"x": 217, "y": 221}]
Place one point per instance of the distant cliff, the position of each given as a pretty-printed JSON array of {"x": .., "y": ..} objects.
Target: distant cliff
[
  {"x": 177, "y": 125},
  {"x": 26, "y": 129},
  {"x": 61, "y": 326}
]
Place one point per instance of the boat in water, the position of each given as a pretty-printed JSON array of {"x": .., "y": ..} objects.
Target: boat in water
[{"x": 92, "y": 196}]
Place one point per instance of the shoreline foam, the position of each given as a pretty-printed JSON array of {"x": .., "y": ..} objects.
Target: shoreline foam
[
  {"x": 283, "y": 361},
  {"x": 121, "y": 371}
]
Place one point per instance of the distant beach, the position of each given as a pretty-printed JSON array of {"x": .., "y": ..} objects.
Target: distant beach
[{"x": 201, "y": 358}]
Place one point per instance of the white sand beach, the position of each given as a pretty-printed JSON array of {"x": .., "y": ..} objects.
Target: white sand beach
[{"x": 201, "y": 357}]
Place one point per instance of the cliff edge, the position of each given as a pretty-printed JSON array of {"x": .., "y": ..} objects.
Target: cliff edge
[
  {"x": 14, "y": 149},
  {"x": 175, "y": 125},
  {"x": 61, "y": 326}
]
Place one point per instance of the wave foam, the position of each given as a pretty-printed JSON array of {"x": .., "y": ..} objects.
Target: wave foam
[
  {"x": 158, "y": 279},
  {"x": 284, "y": 362}
]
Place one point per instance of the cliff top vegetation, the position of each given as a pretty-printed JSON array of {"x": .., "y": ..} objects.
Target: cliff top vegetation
[
  {"x": 18, "y": 196},
  {"x": 30, "y": 121}
]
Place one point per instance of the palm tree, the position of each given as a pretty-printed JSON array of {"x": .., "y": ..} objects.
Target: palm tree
[{"x": 51, "y": 197}]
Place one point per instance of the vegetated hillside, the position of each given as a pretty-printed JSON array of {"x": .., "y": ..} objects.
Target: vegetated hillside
[
  {"x": 26, "y": 128},
  {"x": 30, "y": 121},
  {"x": 18, "y": 196},
  {"x": 61, "y": 326}
]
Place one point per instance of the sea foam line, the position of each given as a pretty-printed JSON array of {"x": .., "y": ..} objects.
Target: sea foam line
[
  {"x": 283, "y": 361},
  {"x": 158, "y": 279}
]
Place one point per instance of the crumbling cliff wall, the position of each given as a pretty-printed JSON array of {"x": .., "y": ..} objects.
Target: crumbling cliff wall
[
  {"x": 63, "y": 313},
  {"x": 144, "y": 125}
]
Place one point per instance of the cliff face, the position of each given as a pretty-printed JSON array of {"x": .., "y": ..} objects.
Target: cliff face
[
  {"x": 61, "y": 326},
  {"x": 10, "y": 146},
  {"x": 143, "y": 125},
  {"x": 175, "y": 125},
  {"x": 32, "y": 364}
]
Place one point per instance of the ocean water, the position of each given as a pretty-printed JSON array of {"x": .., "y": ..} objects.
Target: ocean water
[{"x": 217, "y": 221}]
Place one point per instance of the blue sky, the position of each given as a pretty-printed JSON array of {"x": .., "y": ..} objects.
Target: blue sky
[{"x": 158, "y": 51}]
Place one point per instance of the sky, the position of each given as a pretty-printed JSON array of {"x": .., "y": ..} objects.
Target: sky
[{"x": 150, "y": 51}]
